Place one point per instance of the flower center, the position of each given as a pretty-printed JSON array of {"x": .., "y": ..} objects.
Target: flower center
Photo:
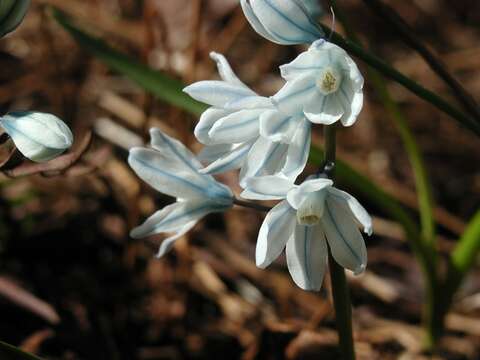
[
  {"x": 311, "y": 209},
  {"x": 329, "y": 80}
]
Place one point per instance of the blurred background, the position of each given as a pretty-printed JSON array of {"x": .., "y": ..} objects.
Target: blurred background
[{"x": 73, "y": 285}]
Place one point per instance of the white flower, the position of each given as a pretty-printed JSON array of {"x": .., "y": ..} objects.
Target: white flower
[
  {"x": 310, "y": 216},
  {"x": 169, "y": 167},
  {"x": 38, "y": 136},
  {"x": 283, "y": 22},
  {"x": 231, "y": 130},
  {"x": 12, "y": 13},
  {"x": 324, "y": 83}
]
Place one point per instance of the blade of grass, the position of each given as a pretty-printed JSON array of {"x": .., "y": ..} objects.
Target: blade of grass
[
  {"x": 157, "y": 83},
  {"x": 10, "y": 352},
  {"x": 422, "y": 182},
  {"x": 460, "y": 262}
]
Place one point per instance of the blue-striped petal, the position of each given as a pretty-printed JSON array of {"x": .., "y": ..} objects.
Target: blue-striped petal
[
  {"x": 287, "y": 22},
  {"x": 170, "y": 176},
  {"x": 217, "y": 93},
  {"x": 211, "y": 153},
  {"x": 344, "y": 238},
  {"x": 278, "y": 126},
  {"x": 271, "y": 187},
  {"x": 264, "y": 158},
  {"x": 358, "y": 211},
  {"x": 254, "y": 21},
  {"x": 307, "y": 257},
  {"x": 208, "y": 118},
  {"x": 274, "y": 233},
  {"x": 325, "y": 109},
  {"x": 231, "y": 160},
  {"x": 169, "y": 146},
  {"x": 290, "y": 99},
  {"x": 298, "y": 151},
  {"x": 176, "y": 218},
  {"x": 238, "y": 127}
]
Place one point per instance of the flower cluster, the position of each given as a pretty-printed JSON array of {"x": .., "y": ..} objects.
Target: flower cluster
[{"x": 268, "y": 140}]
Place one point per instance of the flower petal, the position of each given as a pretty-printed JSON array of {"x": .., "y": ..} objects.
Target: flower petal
[
  {"x": 307, "y": 63},
  {"x": 208, "y": 118},
  {"x": 211, "y": 153},
  {"x": 171, "y": 218},
  {"x": 250, "y": 102},
  {"x": 231, "y": 160},
  {"x": 344, "y": 198},
  {"x": 274, "y": 233},
  {"x": 264, "y": 158},
  {"x": 291, "y": 97},
  {"x": 178, "y": 218},
  {"x": 225, "y": 70},
  {"x": 254, "y": 21},
  {"x": 298, "y": 151},
  {"x": 171, "y": 147},
  {"x": 237, "y": 127},
  {"x": 169, "y": 176},
  {"x": 324, "y": 110},
  {"x": 271, "y": 187},
  {"x": 277, "y": 126},
  {"x": 344, "y": 238},
  {"x": 307, "y": 257},
  {"x": 296, "y": 195},
  {"x": 352, "y": 105},
  {"x": 287, "y": 21},
  {"x": 217, "y": 93}
]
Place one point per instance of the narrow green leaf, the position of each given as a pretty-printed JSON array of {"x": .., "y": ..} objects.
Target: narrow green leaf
[
  {"x": 157, "y": 83},
  {"x": 10, "y": 352},
  {"x": 422, "y": 182},
  {"x": 464, "y": 256}
]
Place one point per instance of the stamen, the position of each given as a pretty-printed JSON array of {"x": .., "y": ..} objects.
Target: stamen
[{"x": 329, "y": 81}]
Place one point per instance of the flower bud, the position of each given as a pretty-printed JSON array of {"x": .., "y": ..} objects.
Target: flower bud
[
  {"x": 12, "y": 13},
  {"x": 285, "y": 22},
  {"x": 38, "y": 136}
]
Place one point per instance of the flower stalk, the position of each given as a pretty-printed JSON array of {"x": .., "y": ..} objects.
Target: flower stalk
[{"x": 340, "y": 291}]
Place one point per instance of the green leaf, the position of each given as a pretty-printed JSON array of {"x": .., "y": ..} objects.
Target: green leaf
[
  {"x": 464, "y": 256},
  {"x": 157, "y": 83},
  {"x": 10, "y": 352}
]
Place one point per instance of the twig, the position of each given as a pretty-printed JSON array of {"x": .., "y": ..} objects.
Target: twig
[
  {"x": 60, "y": 164},
  {"x": 408, "y": 35}
]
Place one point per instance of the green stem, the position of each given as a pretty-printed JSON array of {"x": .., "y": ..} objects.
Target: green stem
[
  {"x": 398, "y": 77},
  {"x": 423, "y": 245},
  {"x": 340, "y": 291},
  {"x": 343, "y": 308}
]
